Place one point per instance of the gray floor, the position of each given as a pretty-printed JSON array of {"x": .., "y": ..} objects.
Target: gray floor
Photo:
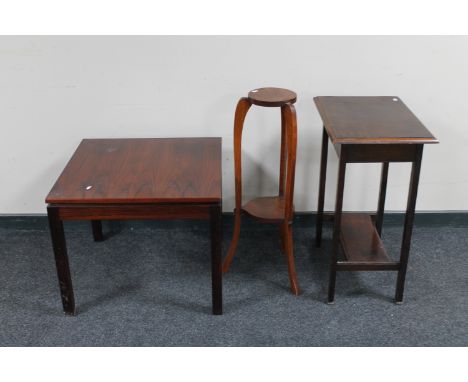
[{"x": 150, "y": 286}]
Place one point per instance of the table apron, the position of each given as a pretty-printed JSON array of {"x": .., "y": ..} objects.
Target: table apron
[
  {"x": 134, "y": 211},
  {"x": 368, "y": 153}
]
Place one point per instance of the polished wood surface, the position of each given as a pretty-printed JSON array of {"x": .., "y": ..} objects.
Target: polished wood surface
[
  {"x": 134, "y": 179},
  {"x": 371, "y": 120},
  {"x": 272, "y": 97},
  {"x": 360, "y": 240},
  {"x": 275, "y": 209},
  {"x": 185, "y": 170},
  {"x": 268, "y": 209}
]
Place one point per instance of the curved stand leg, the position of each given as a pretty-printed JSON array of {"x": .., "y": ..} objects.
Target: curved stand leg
[
  {"x": 288, "y": 113},
  {"x": 282, "y": 174},
  {"x": 290, "y": 257},
  {"x": 283, "y": 238},
  {"x": 234, "y": 241},
  {"x": 242, "y": 108},
  {"x": 283, "y": 153},
  {"x": 289, "y": 123}
]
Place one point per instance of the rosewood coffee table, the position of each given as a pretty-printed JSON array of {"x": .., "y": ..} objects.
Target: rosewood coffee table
[
  {"x": 138, "y": 179},
  {"x": 364, "y": 130}
]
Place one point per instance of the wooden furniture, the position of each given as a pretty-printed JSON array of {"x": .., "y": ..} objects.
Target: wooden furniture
[
  {"x": 363, "y": 130},
  {"x": 137, "y": 179},
  {"x": 275, "y": 209}
]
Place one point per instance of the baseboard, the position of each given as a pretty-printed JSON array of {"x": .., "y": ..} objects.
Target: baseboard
[{"x": 301, "y": 219}]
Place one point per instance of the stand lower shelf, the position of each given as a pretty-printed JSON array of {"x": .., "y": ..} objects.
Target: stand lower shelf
[
  {"x": 269, "y": 209},
  {"x": 362, "y": 245}
]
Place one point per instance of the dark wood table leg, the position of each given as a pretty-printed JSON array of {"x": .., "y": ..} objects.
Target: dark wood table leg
[
  {"x": 382, "y": 194},
  {"x": 97, "y": 230},
  {"x": 337, "y": 225},
  {"x": 216, "y": 271},
  {"x": 61, "y": 260},
  {"x": 408, "y": 228},
  {"x": 321, "y": 199}
]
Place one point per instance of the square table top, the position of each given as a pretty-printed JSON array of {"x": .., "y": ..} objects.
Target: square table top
[
  {"x": 360, "y": 120},
  {"x": 141, "y": 170}
]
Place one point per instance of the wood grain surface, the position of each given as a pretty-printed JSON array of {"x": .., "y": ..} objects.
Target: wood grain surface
[
  {"x": 141, "y": 170},
  {"x": 271, "y": 97},
  {"x": 371, "y": 120}
]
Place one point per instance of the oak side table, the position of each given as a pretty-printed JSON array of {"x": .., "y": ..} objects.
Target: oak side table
[
  {"x": 364, "y": 130},
  {"x": 138, "y": 179}
]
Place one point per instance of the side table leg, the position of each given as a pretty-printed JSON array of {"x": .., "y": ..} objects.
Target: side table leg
[
  {"x": 337, "y": 225},
  {"x": 97, "y": 230},
  {"x": 382, "y": 194},
  {"x": 61, "y": 260},
  {"x": 216, "y": 272},
  {"x": 321, "y": 199},
  {"x": 408, "y": 230}
]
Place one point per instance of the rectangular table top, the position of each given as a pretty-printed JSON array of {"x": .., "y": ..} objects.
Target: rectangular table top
[
  {"x": 141, "y": 170},
  {"x": 372, "y": 120}
]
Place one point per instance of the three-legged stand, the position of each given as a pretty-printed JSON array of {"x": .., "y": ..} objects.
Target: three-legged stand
[{"x": 277, "y": 209}]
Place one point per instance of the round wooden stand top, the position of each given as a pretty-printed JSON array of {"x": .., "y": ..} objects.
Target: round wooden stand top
[{"x": 272, "y": 97}]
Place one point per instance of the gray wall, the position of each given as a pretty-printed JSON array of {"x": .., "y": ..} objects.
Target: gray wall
[{"x": 54, "y": 91}]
